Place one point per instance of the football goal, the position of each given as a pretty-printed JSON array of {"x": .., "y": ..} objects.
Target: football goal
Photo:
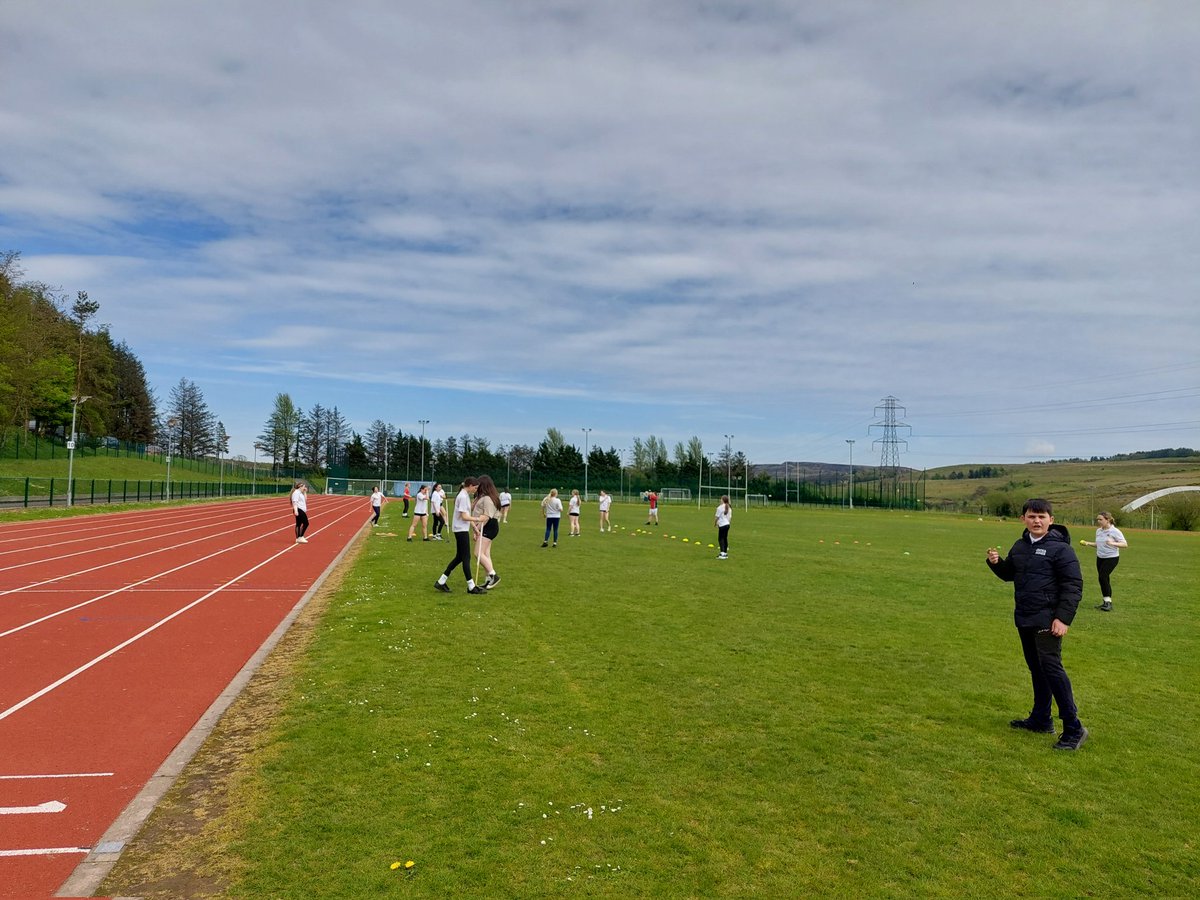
[
  {"x": 352, "y": 486},
  {"x": 675, "y": 494}
]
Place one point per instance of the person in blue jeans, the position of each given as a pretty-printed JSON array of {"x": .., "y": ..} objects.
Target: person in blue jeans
[
  {"x": 1047, "y": 588},
  {"x": 552, "y": 510}
]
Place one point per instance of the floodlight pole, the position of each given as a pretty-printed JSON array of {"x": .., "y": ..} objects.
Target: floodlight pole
[
  {"x": 728, "y": 462},
  {"x": 76, "y": 402},
  {"x": 423, "y": 422},
  {"x": 851, "y": 443},
  {"x": 586, "y": 434},
  {"x": 171, "y": 423},
  {"x": 220, "y": 447},
  {"x": 387, "y": 439},
  {"x": 621, "y": 460}
]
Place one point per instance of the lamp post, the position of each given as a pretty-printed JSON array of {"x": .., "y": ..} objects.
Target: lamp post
[
  {"x": 729, "y": 461},
  {"x": 76, "y": 402},
  {"x": 254, "y": 471},
  {"x": 220, "y": 447},
  {"x": 408, "y": 457},
  {"x": 851, "y": 443},
  {"x": 387, "y": 439},
  {"x": 508, "y": 476},
  {"x": 171, "y": 423},
  {"x": 423, "y": 422},
  {"x": 621, "y": 460},
  {"x": 587, "y": 433}
]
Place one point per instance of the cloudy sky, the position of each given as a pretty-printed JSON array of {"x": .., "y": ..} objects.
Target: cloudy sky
[{"x": 668, "y": 217}]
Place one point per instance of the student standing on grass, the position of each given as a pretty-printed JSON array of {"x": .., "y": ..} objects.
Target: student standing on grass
[
  {"x": 376, "y": 504},
  {"x": 573, "y": 506},
  {"x": 505, "y": 503},
  {"x": 461, "y": 527},
  {"x": 653, "y": 516},
  {"x": 551, "y": 512},
  {"x": 485, "y": 516},
  {"x": 722, "y": 519},
  {"x": 420, "y": 514},
  {"x": 437, "y": 500},
  {"x": 1047, "y": 588},
  {"x": 300, "y": 511},
  {"x": 406, "y": 497},
  {"x": 1108, "y": 544},
  {"x": 604, "y": 501}
]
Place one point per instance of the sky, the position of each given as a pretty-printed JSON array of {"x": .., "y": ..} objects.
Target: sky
[{"x": 750, "y": 222}]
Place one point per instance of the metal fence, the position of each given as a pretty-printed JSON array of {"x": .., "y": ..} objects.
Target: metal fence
[{"x": 32, "y": 491}]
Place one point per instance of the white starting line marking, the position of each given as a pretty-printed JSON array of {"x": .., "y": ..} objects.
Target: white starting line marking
[
  {"x": 45, "y": 851},
  {"x": 63, "y": 775},
  {"x": 50, "y": 806}
]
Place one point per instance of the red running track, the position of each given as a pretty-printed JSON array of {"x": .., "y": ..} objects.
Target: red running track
[{"x": 117, "y": 633}]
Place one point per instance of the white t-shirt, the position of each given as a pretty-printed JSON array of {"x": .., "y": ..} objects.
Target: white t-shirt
[
  {"x": 574, "y": 505},
  {"x": 462, "y": 507},
  {"x": 422, "y": 507},
  {"x": 1103, "y": 550},
  {"x": 437, "y": 498},
  {"x": 377, "y": 497},
  {"x": 553, "y": 507},
  {"x": 299, "y": 501},
  {"x": 724, "y": 515},
  {"x": 605, "y": 502},
  {"x": 505, "y": 499}
]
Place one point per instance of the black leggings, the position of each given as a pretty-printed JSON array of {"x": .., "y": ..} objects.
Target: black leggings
[
  {"x": 1104, "y": 568},
  {"x": 723, "y": 538},
  {"x": 551, "y": 523},
  {"x": 439, "y": 523},
  {"x": 375, "y": 510},
  {"x": 301, "y": 523},
  {"x": 462, "y": 546}
]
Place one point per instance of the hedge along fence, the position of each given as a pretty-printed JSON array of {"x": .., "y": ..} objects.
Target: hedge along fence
[{"x": 54, "y": 491}]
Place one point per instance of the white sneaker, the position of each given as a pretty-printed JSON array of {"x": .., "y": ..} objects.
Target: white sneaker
[{"x": 301, "y": 540}]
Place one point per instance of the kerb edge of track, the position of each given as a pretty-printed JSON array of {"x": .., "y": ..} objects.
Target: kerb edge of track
[{"x": 88, "y": 875}]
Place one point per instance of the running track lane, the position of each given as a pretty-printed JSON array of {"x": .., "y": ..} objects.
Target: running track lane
[{"x": 117, "y": 633}]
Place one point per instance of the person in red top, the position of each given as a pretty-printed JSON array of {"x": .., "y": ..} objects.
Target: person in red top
[
  {"x": 653, "y": 516},
  {"x": 407, "y": 495}
]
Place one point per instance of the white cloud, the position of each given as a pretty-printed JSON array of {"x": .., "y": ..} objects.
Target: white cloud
[{"x": 781, "y": 212}]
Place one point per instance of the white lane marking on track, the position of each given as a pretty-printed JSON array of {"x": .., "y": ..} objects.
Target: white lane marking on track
[
  {"x": 104, "y": 596},
  {"x": 58, "y": 775},
  {"x": 50, "y": 806},
  {"x": 16, "y": 707},
  {"x": 141, "y": 540},
  {"x": 45, "y": 851}
]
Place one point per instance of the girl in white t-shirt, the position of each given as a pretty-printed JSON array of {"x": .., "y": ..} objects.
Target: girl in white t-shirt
[
  {"x": 437, "y": 500},
  {"x": 573, "y": 506},
  {"x": 505, "y": 503},
  {"x": 300, "y": 511},
  {"x": 723, "y": 517},
  {"x": 1108, "y": 544},
  {"x": 461, "y": 527},
  {"x": 420, "y": 514},
  {"x": 604, "y": 501},
  {"x": 376, "y": 504},
  {"x": 552, "y": 513}
]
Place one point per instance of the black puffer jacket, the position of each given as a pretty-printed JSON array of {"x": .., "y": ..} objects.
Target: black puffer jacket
[{"x": 1047, "y": 583}]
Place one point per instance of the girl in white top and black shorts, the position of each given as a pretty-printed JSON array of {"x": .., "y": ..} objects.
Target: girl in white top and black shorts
[{"x": 420, "y": 514}]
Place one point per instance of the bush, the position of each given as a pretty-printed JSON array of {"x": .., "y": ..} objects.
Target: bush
[{"x": 1181, "y": 512}]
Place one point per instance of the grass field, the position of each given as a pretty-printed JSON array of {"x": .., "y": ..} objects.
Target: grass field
[{"x": 824, "y": 714}]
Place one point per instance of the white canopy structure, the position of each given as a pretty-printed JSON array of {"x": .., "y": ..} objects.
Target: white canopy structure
[{"x": 1154, "y": 495}]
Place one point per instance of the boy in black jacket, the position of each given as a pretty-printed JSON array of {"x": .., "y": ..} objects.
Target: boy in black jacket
[{"x": 1047, "y": 587}]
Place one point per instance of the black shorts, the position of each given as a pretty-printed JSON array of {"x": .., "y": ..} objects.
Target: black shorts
[{"x": 491, "y": 528}]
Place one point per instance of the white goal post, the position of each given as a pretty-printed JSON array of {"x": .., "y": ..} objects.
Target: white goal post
[{"x": 357, "y": 487}]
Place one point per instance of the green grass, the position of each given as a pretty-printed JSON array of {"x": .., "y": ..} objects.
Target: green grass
[{"x": 825, "y": 713}]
